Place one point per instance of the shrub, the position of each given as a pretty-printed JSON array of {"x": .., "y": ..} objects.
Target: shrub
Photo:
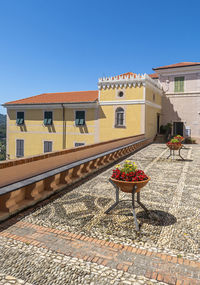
[{"x": 190, "y": 140}]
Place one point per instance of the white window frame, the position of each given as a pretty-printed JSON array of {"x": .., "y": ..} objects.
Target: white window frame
[
  {"x": 19, "y": 139},
  {"x": 43, "y": 146},
  {"x": 117, "y": 125},
  {"x": 117, "y": 93}
]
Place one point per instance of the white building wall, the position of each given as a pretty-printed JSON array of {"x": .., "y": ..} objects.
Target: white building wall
[
  {"x": 184, "y": 106},
  {"x": 184, "y": 109}
]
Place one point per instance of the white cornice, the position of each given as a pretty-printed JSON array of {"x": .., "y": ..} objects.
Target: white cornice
[
  {"x": 129, "y": 102},
  {"x": 52, "y": 106},
  {"x": 121, "y": 102},
  {"x": 186, "y": 94},
  {"x": 156, "y": 89},
  {"x": 179, "y": 70},
  {"x": 81, "y": 105},
  {"x": 85, "y": 105},
  {"x": 127, "y": 81},
  {"x": 149, "y": 103}
]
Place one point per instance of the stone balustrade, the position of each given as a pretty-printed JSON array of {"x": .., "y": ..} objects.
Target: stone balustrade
[{"x": 24, "y": 193}]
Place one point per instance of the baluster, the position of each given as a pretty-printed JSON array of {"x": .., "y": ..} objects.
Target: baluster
[
  {"x": 100, "y": 161},
  {"x": 34, "y": 191},
  {"x": 85, "y": 168},
  {"x": 57, "y": 182},
  {"x": 75, "y": 174},
  {"x": 3, "y": 203},
  {"x": 92, "y": 165}
]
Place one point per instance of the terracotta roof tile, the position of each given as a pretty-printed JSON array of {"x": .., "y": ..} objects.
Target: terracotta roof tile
[
  {"x": 61, "y": 97},
  {"x": 180, "y": 64},
  {"x": 124, "y": 75},
  {"x": 153, "y": 75}
]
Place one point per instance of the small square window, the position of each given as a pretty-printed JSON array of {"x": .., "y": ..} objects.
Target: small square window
[
  {"x": 48, "y": 145},
  {"x": 76, "y": 144},
  {"x": 80, "y": 118},
  {"x": 48, "y": 118},
  {"x": 20, "y": 118}
]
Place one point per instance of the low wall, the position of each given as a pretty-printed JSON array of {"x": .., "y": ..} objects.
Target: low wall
[
  {"x": 20, "y": 195},
  {"x": 93, "y": 148}
]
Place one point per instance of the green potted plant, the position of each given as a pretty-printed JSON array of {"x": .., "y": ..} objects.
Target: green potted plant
[
  {"x": 127, "y": 176},
  {"x": 174, "y": 144},
  {"x": 179, "y": 138}
]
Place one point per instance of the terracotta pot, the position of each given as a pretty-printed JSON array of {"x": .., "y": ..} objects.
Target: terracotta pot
[
  {"x": 128, "y": 186},
  {"x": 174, "y": 147}
]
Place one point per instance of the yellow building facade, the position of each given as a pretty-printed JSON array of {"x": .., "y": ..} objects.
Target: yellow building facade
[{"x": 123, "y": 106}]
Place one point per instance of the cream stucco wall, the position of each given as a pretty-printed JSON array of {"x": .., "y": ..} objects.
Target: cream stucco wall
[
  {"x": 151, "y": 111},
  {"x": 130, "y": 93},
  {"x": 134, "y": 112},
  {"x": 184, "y": 109},
  {"x": 133, "y": 122},
  {"x": 35, "y": 133},
  {"x": 182, "y": 106},
  {"x": 151, "y": 121},
  {"x": 99, "y": 121}
]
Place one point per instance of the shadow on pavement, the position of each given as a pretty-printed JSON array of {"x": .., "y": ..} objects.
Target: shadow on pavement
[{"x": 156, "y": 218}]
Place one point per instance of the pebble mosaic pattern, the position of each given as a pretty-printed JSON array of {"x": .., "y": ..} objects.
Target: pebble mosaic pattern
[
  {"x": 172, "y": 196},
  {"x": 40, "y": 266}
]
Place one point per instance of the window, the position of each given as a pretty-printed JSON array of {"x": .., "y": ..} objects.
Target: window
[
  {"x": 19, "y": 148},
  {"x": 179, "y": 84},
  {"x": 119, "y": 117},
  {"x": 120, "y": 93},
  {"x": 78, "y": 144},
  {"x": 48, "y": 146},
  {"x": 80, "y": 118},
  {"x": 154, "y": 97},
  {"x": 20, "y": 118},
  {"x": 48, "y": 118}
]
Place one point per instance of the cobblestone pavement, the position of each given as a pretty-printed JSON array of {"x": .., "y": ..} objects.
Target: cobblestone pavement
[{"x": 70, "y": 240}]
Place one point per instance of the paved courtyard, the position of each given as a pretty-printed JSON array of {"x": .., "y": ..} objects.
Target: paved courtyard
[{"x": 70, "y": 240}]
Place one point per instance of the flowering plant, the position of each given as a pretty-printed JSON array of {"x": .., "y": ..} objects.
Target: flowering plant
[
  {"x": 174, "y": 143},
  {"x": 128, "y": 172},
  {"x": 179, "y": 138}
]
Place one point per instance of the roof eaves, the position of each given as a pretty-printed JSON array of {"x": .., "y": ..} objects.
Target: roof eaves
[
  {"x": 179, "y": 66},
  {"x": 47, "y": 103}
]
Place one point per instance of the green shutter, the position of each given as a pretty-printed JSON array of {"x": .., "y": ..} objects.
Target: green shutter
[
  {"x": 20, "y": 118},
  {"x": 48, "y": 118},
  {"x": 49, "y": 122},
  {"x": 176, "y": 84},
  {"x": 179, "y": 84},
  {"x": 80, "y": 118},
  {"x": 81, "y": 122},
  {"x": 21, "y": 121}
]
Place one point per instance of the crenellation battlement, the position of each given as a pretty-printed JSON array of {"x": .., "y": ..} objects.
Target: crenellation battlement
[{"x": 127, "y": 80}]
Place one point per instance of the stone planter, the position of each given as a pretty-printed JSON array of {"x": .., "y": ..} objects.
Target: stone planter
[
  {"x": 128, "y": 186},
  {"x": 174, "y": 146}
]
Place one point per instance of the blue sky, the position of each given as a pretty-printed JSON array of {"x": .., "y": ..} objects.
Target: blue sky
[{"x": 61, "y": 45}]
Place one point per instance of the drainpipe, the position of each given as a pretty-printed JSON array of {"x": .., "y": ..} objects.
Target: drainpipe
[{"x": 64, "y": 127}]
